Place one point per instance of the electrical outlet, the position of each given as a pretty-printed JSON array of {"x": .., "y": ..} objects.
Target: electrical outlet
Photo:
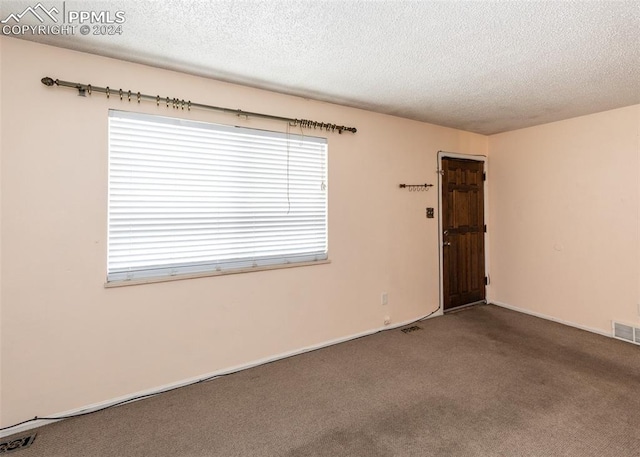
[
  {"x": 384, "y": 298},
  {"x": 387, "y": 320}
]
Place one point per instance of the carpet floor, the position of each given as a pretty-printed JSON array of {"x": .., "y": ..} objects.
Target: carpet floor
[{"x": 484, "y": 381}]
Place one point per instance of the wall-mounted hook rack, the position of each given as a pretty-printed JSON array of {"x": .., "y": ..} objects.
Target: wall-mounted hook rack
[{"x": 416, "y": 187}]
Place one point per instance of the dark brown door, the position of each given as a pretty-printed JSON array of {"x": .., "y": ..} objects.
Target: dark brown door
[{"x": 463, "y": 232}]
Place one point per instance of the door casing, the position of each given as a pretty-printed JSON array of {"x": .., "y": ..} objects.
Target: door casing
[{"x": 478, "y": 158}]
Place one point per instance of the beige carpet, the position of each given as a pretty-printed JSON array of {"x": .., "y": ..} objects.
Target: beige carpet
[{"x": 481, "y": 382}]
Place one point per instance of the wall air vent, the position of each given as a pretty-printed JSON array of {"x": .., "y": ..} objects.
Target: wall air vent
[
  {"x": 411, "y": 329},
  {"x": 10, "y": 446},
  {"x": 626, "y": 332}
]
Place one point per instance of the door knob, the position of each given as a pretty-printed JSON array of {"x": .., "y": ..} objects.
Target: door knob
[{"x": 447, "y": 243}]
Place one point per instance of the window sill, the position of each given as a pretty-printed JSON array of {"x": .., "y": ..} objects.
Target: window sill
[{"x": 135, "y": 282}]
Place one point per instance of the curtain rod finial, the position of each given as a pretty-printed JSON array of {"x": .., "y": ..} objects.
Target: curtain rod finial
[{"x": 47, "y": 81}]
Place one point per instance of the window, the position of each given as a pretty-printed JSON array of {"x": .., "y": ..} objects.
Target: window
[{"x": 191, "y": 197}]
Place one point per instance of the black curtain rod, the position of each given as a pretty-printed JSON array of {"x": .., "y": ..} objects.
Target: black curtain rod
[{"x": 176, "y": 103}]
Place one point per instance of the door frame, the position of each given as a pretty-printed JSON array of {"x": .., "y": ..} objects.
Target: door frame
[{"x": 478, "y": 158}]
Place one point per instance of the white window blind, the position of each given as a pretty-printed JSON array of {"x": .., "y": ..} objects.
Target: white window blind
[{"x": 192, "y": 197}]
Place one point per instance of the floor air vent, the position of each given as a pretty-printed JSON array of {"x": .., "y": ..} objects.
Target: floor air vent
[
  {"x": 626, "y": 332},
  {"x": 411, "y": 329},
  {"x": 8, "y": 447}
]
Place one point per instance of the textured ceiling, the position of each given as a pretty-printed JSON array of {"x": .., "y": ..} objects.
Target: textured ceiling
[{"x": 485, "y": 67}]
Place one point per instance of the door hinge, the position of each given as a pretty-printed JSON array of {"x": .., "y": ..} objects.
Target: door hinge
[
  {"x": 485, "y": 228},
  {"x": 486, "y": 280},
  {"x": 484, "y": 175}
]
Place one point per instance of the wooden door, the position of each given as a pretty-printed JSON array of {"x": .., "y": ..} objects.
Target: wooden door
[{"x": 463, "y": 232}]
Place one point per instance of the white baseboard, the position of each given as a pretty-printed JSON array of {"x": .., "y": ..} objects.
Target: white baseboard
[
  {"x": 551, "y": 318},
  {"x": 185, "y": 382}
]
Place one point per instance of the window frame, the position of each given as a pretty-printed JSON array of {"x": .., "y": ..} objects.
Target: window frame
[{"x": 213, "y": 268}]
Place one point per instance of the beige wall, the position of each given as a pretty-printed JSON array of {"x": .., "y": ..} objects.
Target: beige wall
[
  {"x": 70, "y": 342},
  {"x": 637, "y": 133},
  {"x": 564, "y": 214},
  {"x": 1, "y": 142}
]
